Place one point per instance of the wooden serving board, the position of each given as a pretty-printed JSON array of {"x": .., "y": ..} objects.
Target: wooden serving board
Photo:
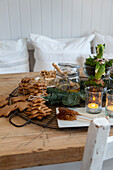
[{"x": 20, "y": 147}]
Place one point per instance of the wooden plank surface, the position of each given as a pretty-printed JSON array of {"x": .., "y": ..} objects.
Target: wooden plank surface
[{"x": 33, "y": 145}]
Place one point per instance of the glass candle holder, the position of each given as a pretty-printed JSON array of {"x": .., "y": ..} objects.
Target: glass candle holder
[
  {"x": 109, "y": 103},
  {"x": 111, "y": 78},
  {"x": 93, "y": 101}
]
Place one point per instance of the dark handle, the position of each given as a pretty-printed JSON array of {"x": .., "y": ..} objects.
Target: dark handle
[
  {"x": 44, "y": 126},
  {"x": 12, "y": 116}
]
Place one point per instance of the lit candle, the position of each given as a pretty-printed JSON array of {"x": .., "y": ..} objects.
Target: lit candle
[
  {"x": 93, "y": 105},
  {"x": 110, "y": 108}
]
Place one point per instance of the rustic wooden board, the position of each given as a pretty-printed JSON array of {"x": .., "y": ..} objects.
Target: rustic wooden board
[{"x": 33, "y": 145}]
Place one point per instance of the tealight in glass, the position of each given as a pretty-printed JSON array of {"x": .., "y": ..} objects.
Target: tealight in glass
[
  {"x": 93, "y": 100},
  {"x": 109, "y": 103}
]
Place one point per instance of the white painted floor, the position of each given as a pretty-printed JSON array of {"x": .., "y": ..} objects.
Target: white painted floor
[{"x": 108, "y": 165}]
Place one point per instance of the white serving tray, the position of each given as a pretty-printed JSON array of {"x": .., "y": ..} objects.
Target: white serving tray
[{"x": 80, "y": 123}]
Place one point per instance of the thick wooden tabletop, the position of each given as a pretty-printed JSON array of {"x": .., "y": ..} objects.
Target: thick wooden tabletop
[{"x": 34, "y": 145}]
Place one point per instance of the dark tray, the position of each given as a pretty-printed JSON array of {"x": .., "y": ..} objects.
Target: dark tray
[{"x": 48, "y": 121}]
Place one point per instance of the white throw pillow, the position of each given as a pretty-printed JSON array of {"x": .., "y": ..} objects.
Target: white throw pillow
[
  {"x": 13, "y": 56},
  {"x": 104, "y": 39},
  {"x": 49, "y": 50}
]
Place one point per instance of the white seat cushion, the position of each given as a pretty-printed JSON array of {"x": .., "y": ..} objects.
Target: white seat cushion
[
  {"x": 49, "y": 50},
  {"x": 13, "y": 57}
]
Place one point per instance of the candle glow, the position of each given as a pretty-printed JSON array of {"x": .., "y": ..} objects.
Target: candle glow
[
  {"x": 93, "y": 105},
  {"x": 110, "y": 108}
]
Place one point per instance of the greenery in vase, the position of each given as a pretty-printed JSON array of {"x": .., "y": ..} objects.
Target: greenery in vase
[
  {"x": 92, "y": 61},
  {"x": 100, "y": 65}
]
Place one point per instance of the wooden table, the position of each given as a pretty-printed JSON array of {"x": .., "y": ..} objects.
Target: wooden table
[{"x": 33, "y": 145}]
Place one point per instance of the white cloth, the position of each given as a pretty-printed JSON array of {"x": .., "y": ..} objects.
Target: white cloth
[
  {"x": 49, "y": 50},
  {"x": 13, "y": 56}
]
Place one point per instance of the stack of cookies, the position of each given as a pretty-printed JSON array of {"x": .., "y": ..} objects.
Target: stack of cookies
[
  {"x": 38, "y": 89},
  {"x": 30, "y": 87},
  {"x": 24, "y": 86},
  {"x": 29, "y": 100},
  {"x": 37, "y": 108}
]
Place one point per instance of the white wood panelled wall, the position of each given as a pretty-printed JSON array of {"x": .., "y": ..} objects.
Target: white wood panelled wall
[{"x": 55, "y": 18}]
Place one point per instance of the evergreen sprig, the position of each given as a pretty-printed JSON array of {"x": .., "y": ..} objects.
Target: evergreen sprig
[{"x": 57, "y": 96}]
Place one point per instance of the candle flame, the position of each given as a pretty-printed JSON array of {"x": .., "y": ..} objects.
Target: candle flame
[{"x": 94, "y": 98}]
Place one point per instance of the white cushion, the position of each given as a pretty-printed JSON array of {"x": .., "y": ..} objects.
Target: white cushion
[
  {"x": 13, "y": 56},
  {"x": 49, "y": 50},
  {"x": 104, "y": 39}
]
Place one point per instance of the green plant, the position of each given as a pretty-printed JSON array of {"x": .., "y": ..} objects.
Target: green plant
[
  {"x": 92, "y": 61},
  {"x": 91, "y": 82},
  {"x": 100, "y": 49},
  {"x": 99, "y": 70},
  {"x": 99, "y": 65}
]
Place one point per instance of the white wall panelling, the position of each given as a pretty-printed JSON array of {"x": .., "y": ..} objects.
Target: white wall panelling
[
  {"x": 25, "y": 17},
  {"x": 46, "y": 17},
  {"x": 14, "y": 19},
  {"x": 96, "y": 14},
  {"x": 55, "y": 18},
  {"x": 76, "y": 19},
  {"x": 86, "y": 16},
  {"x": 5, "y": 32},
  {"x": 111, "y": 20},
  {"x": 35, "y": 16},
  {"x": 66, "y": 18},
  {"x": 105, "y": 15}
]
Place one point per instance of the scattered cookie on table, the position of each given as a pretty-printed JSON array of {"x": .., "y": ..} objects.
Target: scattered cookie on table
[
  {"x": 3, "y": 103},
  {"x": 3, "y": 97},
  {"x": 5, "y": 111}
]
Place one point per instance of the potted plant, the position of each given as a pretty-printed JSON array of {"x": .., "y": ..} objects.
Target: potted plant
[
  {"x": 97, "y": 79},
  {"x": 91, "y": 62},
  {"x": 96, "y": 67}
]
